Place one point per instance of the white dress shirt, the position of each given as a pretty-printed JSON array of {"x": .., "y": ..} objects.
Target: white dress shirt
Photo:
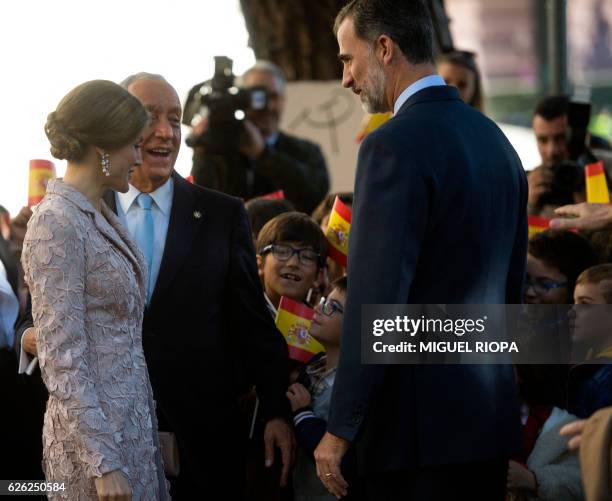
[
  {"x": 428, "y": 81},
  {"x": 128, "y": 213}
]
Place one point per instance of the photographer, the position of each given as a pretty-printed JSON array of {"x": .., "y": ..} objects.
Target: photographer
[{"x": 266, "y": 160}]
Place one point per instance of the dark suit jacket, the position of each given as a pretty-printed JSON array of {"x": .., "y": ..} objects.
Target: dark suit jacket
[
  {"x": 439, "y": 218},
  {"x": 207, "y": 335},
  {"x": 207, "y": 332},
  {"x": 293, "y": 165}
]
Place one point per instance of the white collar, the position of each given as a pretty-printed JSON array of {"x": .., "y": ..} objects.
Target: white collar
[
  {"x": 162, "y": 197},
  {"x": 422, "y": 83}
]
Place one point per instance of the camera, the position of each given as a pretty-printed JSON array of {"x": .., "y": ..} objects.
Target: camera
[{"x": 225, "y": 105}]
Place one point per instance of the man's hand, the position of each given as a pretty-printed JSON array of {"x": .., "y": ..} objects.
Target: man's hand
[
  {"x": 19, "y": 225},
  {"x": 28, "y": 342},
  {"x": 328, "y": 455},
  {"x": 299, "y": 396},
  {"x": 539, "y": 181},
  {"x": 278, "y": 434},
  {"x": 583, "y": 217},
  {"x": 252, "y": 143},
  {"x": 520, "y": 478},
  {"x": 573, "y": 430}
]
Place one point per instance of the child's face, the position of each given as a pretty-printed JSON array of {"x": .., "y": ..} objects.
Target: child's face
[
  {"x": 291, "y": 278},
  {"x": 589, "y": 322},
  {"x": 328, "y": 329}
]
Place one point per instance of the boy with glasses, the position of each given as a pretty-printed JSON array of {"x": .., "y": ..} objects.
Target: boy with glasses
[
  {"x": 310, "y": 398},
  {"x": 291, "y": 251}
]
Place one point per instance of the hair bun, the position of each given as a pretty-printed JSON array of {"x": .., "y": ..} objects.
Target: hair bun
[{"x": 63, "y": 144}]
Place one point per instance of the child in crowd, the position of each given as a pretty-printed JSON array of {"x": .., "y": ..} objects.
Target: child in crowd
[
  {"x": 261, "y": 210},
  {"x": 546, "y": 470},
  {"x": 291, "y": 251},
  {"x": 590, "y": 383},
  {"x": 310, "y": 398}
]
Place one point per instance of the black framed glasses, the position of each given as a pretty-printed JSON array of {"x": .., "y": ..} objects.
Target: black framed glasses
[
  {"x": 329, "y": 307},
  {"x": 541, "y": 286},
  {"x": 284, "y": 252}
]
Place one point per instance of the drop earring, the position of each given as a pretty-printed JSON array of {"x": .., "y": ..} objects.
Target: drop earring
[{"x": 105, "y": 161}]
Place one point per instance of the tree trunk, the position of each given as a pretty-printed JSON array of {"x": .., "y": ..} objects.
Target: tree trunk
[{"x": 296, "y": 35}]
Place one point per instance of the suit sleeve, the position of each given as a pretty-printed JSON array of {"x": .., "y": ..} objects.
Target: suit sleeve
[
  {"x": 304, "y": 179},
  {"x": 54, "y": 266},
  {"x": 263, "y": 348},
  {"x": 516, "y": 274},
  {"x": 388, "y": 227},
  {"x": 23, "y": 323}
]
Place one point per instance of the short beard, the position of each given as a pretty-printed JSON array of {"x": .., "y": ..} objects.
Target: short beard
[{"x": 374, "y": 91}]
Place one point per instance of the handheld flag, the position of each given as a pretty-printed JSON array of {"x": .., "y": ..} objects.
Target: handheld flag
[
  {"x": 40, "y": 173},
  {"x": 293, "y": 320},
  {"x": 596, "y": 186},
  {"x": 372, "y": 122},
  {"x": 337, "y": 232},
  {"x": 537, "y": 224},
  {"x": 280, "y": 194}
]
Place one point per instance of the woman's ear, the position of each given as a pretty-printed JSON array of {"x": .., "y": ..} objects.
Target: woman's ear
[{"x": 260, "y": 265}]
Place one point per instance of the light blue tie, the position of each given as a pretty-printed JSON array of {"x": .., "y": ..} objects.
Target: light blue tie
[{"x": 144, "y": 234}]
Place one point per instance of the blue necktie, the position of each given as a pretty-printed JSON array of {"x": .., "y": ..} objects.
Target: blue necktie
[{"x": 144, "y": 235}]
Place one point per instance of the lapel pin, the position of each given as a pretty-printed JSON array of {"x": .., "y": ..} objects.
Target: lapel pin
[{"x": 197, "y": 214}]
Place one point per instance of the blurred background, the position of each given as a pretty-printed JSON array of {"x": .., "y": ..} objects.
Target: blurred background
[{"x": 526, "y": 49}]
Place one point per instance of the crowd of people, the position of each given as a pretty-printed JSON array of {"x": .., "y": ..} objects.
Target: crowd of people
[{"x": 138, "y": 346}]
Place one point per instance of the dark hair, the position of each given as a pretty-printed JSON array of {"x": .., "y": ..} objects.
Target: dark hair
[
  {"x": 597, "y": 275},
  {"x": 293, "y": 227},
  {"x": 568, "y": 178},
  {"x": 407, "y": 22},
  {"x": 261, "y": 210},
  {"x": 466, "y": 59},
  {"x": 3, "y": 210},
  {"x": 340, "y": 283},
  {"x": 569, "y": 252},
  {"x": 96, "y": 113},
  {"x": 325, "y": 207},
  {"x": 552, "y": 107}
]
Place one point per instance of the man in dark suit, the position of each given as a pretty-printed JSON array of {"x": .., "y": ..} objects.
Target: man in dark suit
[
  {"x": 439, "y": 218},
  {"x": 207, "y": 334},
  {"x": 268, "y": 159}
]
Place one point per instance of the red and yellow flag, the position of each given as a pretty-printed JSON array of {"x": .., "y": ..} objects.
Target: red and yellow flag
[
  {"x": 40, "y": 173},
  {"x": 337, "y": 232},
  {"x": 372, "y": 122},
  {"x": 537, "y": 224},
  {"x": 596, "y": 186},
  {"x": 293, "y": 320}
]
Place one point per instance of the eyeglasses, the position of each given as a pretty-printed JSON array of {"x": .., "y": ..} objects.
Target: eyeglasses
[
  {"x": 282, "y": 252},
  {"x": 541, "y": 286},
  {"x": 329, "y": 307}
]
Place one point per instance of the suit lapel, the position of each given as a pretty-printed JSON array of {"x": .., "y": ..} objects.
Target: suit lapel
[{"x": 186, "y": 218}]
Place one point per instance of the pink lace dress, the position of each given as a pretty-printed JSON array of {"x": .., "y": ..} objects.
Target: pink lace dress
[{"x": 86, "y": 278}]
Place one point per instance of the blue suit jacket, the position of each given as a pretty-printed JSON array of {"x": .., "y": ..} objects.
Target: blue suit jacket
[{"x": 439, "y": 218}]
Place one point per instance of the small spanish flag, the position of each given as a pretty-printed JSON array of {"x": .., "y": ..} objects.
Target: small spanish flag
[
  {"x": 596, "y": 186},
  {"x": 293, "y": 320},
  {"x": 372, "y": 122},
  {"x": 280, "y": 194},
  {"x": 40, "y": 173},
  {"x": 337, "y": 232},
  {"x": 537, "y": 224}
]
